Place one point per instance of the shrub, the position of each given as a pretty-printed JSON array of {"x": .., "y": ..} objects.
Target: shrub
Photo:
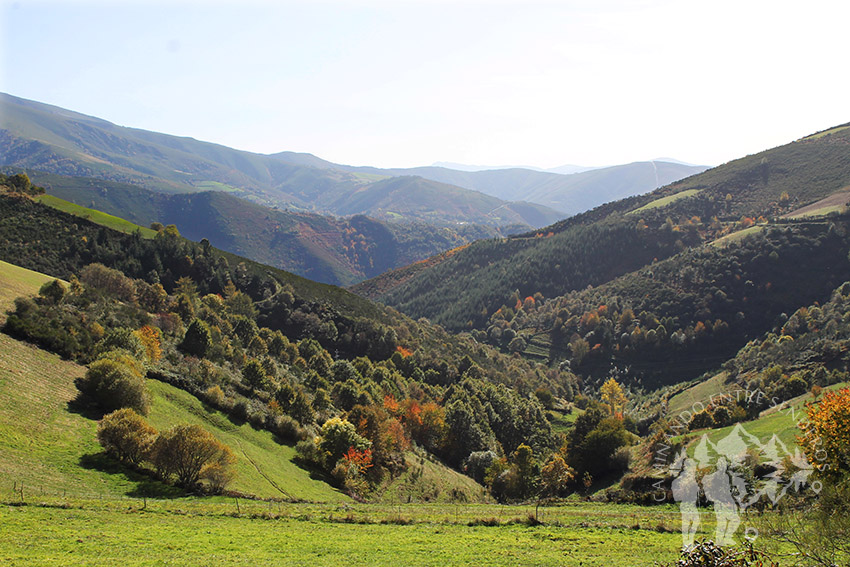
[
  {"x": 337, "y": 437},
  {"x": 826, "y": 434},
  {"x": 287, "y": 428},
  {"x": 108, "y": 281},
  {"x": 187, "y": 451},
  {"x": 54, "y": 290},
  {"x": 125, "y": 339},
  {"x": 114, "y": 385},
  {"x": 126, "y": 435}
]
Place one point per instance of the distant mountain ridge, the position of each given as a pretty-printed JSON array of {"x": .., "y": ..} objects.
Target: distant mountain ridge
[
  {"x": 52, "y": 139},
  {"x": 569, "y": 193},
  {"x": 55, "y": 140}
]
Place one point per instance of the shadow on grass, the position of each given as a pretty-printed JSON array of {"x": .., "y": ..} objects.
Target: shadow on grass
[
  {"x": 144, "y": 483},
  {"x": 84, "y": 406},
  {"x": 315, "y": 472}
]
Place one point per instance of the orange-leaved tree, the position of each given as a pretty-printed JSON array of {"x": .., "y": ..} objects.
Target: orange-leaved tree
[{"x": 826, "y": 434}]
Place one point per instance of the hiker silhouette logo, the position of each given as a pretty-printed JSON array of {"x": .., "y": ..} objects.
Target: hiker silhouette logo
[{"x": 723, "y": 474}]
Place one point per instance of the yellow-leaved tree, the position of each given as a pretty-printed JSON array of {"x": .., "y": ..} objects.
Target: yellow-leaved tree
[{"x": 613, "y": 397}]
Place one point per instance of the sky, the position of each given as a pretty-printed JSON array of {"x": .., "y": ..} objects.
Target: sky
[{"x": 408, "y": 83}]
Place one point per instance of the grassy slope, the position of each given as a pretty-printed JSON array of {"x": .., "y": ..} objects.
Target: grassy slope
[
  {"x": 664, "y": 201},
  {"x": 429, "y": 481},
  {"x": 95, "y": 216},
  {"x": 15, "y": 282},
  {"x": 697, "y": 394},
  {"x": 51, "y": 448},
  {"x": 264, "y": 468}
]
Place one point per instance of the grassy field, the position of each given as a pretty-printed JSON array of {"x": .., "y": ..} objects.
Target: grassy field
[
  {"x": 15, "y": 282},
  {"x": 216, "y": 186},
  {"x": 562, "y": 422},
  {"x": 95, "y": 216},
  {"x": 826, "y": 132},
  {"x": 664, "y": 201},
  {"x": 697, "y": 394},
  {"x": 782, "y": 420},
  {"x": 131, "y": 536}
]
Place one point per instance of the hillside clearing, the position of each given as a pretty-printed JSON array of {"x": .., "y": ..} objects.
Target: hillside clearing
[
  {"x": 737, "y": 236},
  {"x": 95, "y": 216},
  {"x": 664, "y": 201}
]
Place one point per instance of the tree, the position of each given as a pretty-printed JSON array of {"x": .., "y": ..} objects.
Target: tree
[
  {"x": 186, "y": 451},
  {"x": 108, "y": 281},
  {"x": 555, "y": 477},
  {"x": 255, "y": 376},
  {"x": 114, "y": 385},
  {"x": 613, "y": 397},
  {"x": 826, "y": 434},
  {"x": 54, "y": 290},
  {"x": 126, "y": 435},
  {"x": 122, "y": 339},
  {"x": 197, "y": 340},
  {"x": 151, "y": 339},
  {"x": 336, "y": 437},
  {"x": 523, "y": 460}
]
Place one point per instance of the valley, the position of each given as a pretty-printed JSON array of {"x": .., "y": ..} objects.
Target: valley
[{"x": 534, "y": 396}]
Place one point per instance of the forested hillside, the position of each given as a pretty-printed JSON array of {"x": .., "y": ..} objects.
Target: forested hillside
[
  {"x": 463, "y": 290},
  {"x": 339, "y": 251},
  {"x": 658, "y": 288},
  {"x": 267, "y": 347}
]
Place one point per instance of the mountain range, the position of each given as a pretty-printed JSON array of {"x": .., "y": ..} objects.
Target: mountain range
[
  {"x": 41, "y": 137},
  {"x": 54, "y": 140}
]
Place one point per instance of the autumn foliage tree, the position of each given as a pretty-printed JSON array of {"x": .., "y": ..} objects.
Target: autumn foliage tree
[
  {"x": 613, "y": 397},
  {"x": 187, "y": 452},
  {"x": 826, "y": 434},
  {"x": 126, "y": 435}
]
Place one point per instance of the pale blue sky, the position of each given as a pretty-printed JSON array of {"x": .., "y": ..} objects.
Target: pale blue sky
[{"x": 404, "y": 83}]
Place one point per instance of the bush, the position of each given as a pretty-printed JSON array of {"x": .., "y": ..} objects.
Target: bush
[
  {"x": 826, "y": 434},
  {"x": 125, "y": 339},
  {"x": 108, "y": 281},
  {"x": 126, "y": 435},
  {"x": 114, "y": 385},
  {"x": 337, "y": 437},
  {"x": 190, "y": 451},
  {"x": 54, "y": 290},
  {"x": 309, "y": 452}
]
